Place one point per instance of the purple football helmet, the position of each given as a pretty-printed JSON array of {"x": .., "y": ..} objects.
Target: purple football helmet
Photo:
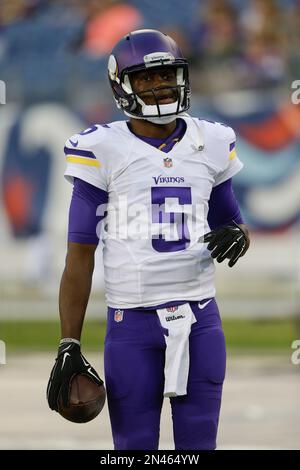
[{"x": 141, "y": 50}]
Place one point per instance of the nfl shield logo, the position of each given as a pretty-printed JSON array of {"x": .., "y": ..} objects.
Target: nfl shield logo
[
  {"x": 119, "y": 315},
  {"x": 172, "y": 309},
  {"x": 168, "y": 162}
]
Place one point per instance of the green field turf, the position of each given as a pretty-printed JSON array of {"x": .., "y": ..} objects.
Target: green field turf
[{"x": 241, "y": 334}]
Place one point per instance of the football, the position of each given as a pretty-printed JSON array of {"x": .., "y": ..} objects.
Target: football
[{"x": 86, "y": 400}]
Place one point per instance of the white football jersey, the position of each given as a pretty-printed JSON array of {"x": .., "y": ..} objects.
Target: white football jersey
[{"x": 157, "y": 210}]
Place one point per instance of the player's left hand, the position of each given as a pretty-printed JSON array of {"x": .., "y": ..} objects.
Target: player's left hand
[{"x": 230, "y": 241}]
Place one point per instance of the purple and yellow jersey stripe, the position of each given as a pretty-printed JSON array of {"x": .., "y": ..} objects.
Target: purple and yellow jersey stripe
[
  {"x": 82, "y": 157},
  {"x": 232, "y": 151}
]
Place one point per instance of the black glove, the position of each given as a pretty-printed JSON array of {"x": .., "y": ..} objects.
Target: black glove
[
  {"x": 227, "y": 242},
  {"x": 69, "y": 362}
]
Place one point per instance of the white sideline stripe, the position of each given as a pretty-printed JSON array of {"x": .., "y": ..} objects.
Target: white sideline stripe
[{"x": 100, "y": 444}]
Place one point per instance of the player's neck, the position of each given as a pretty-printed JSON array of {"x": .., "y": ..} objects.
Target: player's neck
[{"x": 149, "y": 129}]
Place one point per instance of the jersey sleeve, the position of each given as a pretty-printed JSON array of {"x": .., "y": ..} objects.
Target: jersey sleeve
[
  {"x": 231, "y": 164},
  {"x": 84, "y": 159},
  {"x": 223, "y": 206},
  {"x": 87, "y": 209}
]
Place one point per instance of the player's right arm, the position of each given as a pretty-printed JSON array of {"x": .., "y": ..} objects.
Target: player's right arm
[
  {"x": 88, "y": 193},
  {"x": 75, "y": 288},
  {"x": 74, "y": 294}
]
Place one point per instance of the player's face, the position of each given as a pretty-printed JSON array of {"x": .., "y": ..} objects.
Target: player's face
[{"x": 158, "y": 79}]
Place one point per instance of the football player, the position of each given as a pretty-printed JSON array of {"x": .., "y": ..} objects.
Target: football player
[{"x": 161, "y": 180}]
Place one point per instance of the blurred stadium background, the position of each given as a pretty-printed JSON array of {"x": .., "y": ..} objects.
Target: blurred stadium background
[{"x": 244, "y": 57}]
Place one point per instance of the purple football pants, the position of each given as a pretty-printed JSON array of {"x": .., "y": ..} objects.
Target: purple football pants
[{"x": 134, "y": 360}]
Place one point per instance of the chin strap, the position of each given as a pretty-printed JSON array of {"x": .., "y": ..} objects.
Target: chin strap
[
  {"x": 156, "y": 120},
  {"x": 162, "y": 120}
]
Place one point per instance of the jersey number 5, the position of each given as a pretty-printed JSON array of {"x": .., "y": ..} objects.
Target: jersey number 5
[{"x": 170, "y": 220}]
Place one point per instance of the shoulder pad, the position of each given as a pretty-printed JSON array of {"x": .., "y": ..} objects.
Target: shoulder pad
[
  {"x": 218, "y": 130},
  {"x": 87, "y": 138}
]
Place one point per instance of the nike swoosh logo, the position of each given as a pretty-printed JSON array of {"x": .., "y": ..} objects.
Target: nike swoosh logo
[
  {"x": 74, "y": 143},
  {"x": 65, "y": 356},
  {"x": 85, "y": 363},
  {"x": 89, "y": 370},
  {"x": 202, "y": 306},
  {"x": 68, "y": 347}
]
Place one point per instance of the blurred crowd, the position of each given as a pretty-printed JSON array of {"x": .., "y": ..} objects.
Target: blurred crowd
[
  {"x": 231, "y": 44},
  {"x": 254, "y": 46}
]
